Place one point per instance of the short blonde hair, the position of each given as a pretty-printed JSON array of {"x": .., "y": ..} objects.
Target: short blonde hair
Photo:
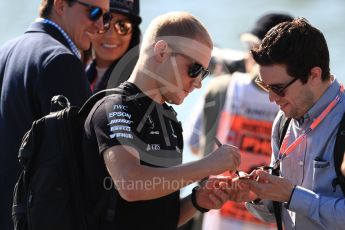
[{"x": 176, "y": 25}]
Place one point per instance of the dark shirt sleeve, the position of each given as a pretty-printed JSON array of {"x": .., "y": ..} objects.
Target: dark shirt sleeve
[
  {"x": 115, "y": 122},
  {"x": 62, "y": 75}
]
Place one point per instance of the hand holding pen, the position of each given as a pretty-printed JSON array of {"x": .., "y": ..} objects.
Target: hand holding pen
[{"x": 219, "y": 144}]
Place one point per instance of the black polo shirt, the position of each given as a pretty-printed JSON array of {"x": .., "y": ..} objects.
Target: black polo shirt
[{"x": 135, "y": 120}]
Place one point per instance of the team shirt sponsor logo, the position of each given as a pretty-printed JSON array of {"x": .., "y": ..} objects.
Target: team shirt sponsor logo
[
  {"x": 122, "y": 121},
  {"x": 120, "y": 128},
  {"x": 121, "y": 135},
  {"x": 120, "y": 107},
  {"x": 154, "y": 147},
  {"x": 154, "y": 132},
  {"x": 119, "y": 114}
]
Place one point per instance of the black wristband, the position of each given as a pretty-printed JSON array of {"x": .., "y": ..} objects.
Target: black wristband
[
  {"x": 195, "y": 204},
  {"x": 287, "y": 205}
]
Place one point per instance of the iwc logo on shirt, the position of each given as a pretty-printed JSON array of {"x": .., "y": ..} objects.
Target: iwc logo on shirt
[{"x": 153, "y": 147}]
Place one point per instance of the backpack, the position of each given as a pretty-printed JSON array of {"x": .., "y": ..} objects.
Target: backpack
[
  {"x": 49, "y": 191},
  {"x": 339, "y": 151}
]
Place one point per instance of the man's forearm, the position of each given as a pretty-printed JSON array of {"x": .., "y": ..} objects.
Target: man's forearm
[{"x": 187, "y": 211}]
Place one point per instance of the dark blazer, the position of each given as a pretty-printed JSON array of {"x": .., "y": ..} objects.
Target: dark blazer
[{"x": 33, "y": 68}]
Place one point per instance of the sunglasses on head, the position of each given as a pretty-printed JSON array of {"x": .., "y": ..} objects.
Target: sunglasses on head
[
  {"x": 279, "y": 90},
  {"x": 96, "y": 13},
  {"x": 121, "y": 27}
]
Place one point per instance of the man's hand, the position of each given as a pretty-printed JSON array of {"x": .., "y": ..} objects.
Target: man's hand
[
  {"x": 225, "y": 158},
  {"x": 270, "y": 187},
  {"x": 213, "y": 193},
  {"x": 217, "y": 190},
  {"x": 240, "y": 190}
]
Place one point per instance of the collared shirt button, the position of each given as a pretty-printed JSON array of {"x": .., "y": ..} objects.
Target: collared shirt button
[{"x": 300, "y": 163}]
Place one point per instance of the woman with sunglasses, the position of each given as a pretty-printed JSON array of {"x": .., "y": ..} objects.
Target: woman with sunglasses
[{"x": 117, "y": 38}]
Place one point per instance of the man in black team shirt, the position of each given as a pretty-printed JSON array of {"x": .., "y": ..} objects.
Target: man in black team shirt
[{"x": 133, "y": 142}]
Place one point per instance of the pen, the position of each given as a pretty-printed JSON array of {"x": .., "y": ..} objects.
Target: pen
[{"x": 218, "y": 143}]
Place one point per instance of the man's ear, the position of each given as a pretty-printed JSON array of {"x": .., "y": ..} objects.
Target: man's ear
[
  {"x": 161, "y": 51},
  {"x": 315, "y": 74},
  {"x": 59, "y": 6}
]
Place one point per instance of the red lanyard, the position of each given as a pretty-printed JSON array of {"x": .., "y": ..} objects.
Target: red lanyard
[{"x": 284, "y": 150}]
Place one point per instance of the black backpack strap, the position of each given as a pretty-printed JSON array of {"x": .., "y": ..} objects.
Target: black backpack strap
[
  {"x": 88, "y": 105},
  {"x": 86, "y": 108},
  {"x": 278, "y": 214},
  {"x": 339, "y": 152},
  {"x": 283, "y": 126}
]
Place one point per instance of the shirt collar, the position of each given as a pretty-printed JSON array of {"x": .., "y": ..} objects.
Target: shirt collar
[
  {"x": 71, "y": 44},
  {"x": 142, "y": 98}
]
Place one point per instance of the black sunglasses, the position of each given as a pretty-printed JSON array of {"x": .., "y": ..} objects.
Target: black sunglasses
[
  {"x": 96, "y": 12},
  {"x": 121, "y": 27},
  {"x": 279, "y": 90},
  {"x": 195, "y": 69}
]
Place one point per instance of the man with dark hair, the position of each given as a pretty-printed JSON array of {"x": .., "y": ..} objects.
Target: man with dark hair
[
  {"x": 43, "y": 62},
  {"x": 239, "y": 113},
  {"x": 294, "y": 69}
]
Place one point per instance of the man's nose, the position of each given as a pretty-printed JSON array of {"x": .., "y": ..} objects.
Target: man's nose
[{"x": 99, "y": 23}]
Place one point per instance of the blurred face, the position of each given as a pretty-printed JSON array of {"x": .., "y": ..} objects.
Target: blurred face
[
  {"x": 77, "y": 23},
  {"x": 114, "y": 43},
  {"x": 292, "y": 97},
  {"x": 186, "y": 69}
]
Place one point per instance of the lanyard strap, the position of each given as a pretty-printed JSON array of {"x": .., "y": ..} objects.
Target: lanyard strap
[
  {"x": 64, "y": 34},
  {"x": 286, "y": 150}
]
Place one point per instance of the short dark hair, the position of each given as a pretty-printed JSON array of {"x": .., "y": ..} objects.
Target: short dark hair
[
  {"x": 46, "y": 7},
  {"x": 296, "y": 44},
  {"x": 136, "y": 36}
]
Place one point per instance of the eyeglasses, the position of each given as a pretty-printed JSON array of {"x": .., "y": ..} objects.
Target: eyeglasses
[
  {"x": 195, "y": 69},
  {"x": 121, "y": 27},
  {"x": 96, "y": 13},
  {"x": 279, "y": 90}
]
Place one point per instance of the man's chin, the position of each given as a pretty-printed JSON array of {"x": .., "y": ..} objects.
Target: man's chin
[
  {"x": 288, "y": 114},
  {"x": 177, "y": 101},
  {"x": 180, "y": 101}
]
